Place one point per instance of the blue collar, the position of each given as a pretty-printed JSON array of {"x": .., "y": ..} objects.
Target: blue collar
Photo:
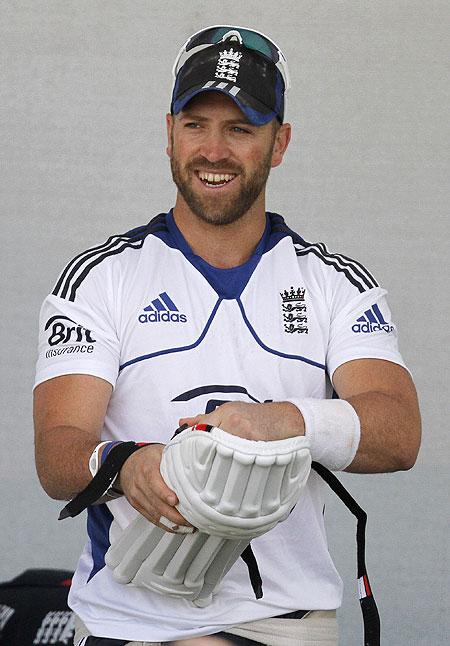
[{"x": 228, "y": 283}]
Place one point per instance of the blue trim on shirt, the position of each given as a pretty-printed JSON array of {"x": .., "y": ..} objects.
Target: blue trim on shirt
[
  {"x": 213, "y": 388},
  {"x": 163, "y": 233},
  {"x": 98, "y": 523},
  {"x": 279, "y": 230},
  {"x": 270, "y": 350},
  {"x": 227, "y": 283},
  {"x": 158, "y": 353},
  {"x": 180, "y": 349}
]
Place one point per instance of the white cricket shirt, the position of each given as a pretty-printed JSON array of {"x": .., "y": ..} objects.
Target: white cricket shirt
[{"x": 176, "y": 337}]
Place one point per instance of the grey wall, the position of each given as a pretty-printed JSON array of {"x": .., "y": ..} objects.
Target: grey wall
[{"x": 85, "y": 86}]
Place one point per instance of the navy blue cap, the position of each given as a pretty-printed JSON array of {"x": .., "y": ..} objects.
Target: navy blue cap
[{"x": 248, "y": 77}]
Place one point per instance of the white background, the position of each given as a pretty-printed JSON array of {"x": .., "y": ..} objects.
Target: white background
[{"x": 84, "y": 90}]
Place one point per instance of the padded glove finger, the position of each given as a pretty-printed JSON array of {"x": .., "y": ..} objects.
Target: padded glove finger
[
  {"x": 232, "y": 487},
  {"x": 134, "y": 545}
]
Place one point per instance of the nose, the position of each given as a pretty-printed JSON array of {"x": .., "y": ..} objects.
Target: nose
[{"x": 214, "y": 147}]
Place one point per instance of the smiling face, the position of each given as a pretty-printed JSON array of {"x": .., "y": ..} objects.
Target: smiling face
[{"x": 220, "y": 162}]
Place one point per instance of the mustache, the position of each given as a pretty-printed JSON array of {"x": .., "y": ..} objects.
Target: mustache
[{"x": 205, "y": 165}]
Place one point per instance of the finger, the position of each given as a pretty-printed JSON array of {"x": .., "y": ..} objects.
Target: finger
[
  {"x": 172, "y": 515},
  {"x": 173, "y": 522},
  {"x": 212, "y": 418},
  {"x": 153, "y": 508},
  {"x": 176, "y": 524},
  {"x": 161, "y": 490},
  {"x": 190, "y": 421},
  {"x": 173, "y": 527}
]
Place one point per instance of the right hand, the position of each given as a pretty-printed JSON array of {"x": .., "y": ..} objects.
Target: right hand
[{"x": 145, "y": 489}]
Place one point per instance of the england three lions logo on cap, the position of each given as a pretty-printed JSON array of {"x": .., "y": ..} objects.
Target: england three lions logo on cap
[
  {"x": 239, "y": 62},
  {"x": 228, "y": 65}
]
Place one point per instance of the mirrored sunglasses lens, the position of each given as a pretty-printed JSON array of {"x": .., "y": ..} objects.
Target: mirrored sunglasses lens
[
  {"x": 251, "y": 39},
  {"x": 255, "y": 41}
]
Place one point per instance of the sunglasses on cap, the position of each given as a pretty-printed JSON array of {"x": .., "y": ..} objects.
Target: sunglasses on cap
[
  {"x": 239, "y": 62},
  {"x": 250, "y": 38}
]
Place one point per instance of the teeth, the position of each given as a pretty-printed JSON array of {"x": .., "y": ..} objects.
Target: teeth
[{"x": 215, "y": 178}]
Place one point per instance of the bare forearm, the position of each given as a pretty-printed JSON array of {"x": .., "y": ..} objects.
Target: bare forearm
[
  {"x": 390, "y": 433},
  {"x": 62, "y": 458},
  {"x": 68, "y": 419}
]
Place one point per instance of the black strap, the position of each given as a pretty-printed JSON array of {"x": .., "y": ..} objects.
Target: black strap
[
  {"x": 255, "y": 578},
  {"x": 102, "y": 481},
  {"x": 369, "y": 608},
  {"x": 119, "y": 454}
]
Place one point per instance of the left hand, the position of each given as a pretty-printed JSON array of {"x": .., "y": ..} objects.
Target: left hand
[{"x": 269, "y": 421}]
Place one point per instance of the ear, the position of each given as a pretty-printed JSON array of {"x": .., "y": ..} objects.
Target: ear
[
  {"x": 282, "y": 139},
  {"x": 169, "y": 124}
]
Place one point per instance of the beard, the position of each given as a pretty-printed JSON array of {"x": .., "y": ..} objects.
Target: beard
[{"x": 220, "y": 210}]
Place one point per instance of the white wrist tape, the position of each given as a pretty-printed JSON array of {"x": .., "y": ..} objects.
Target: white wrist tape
[{"x": 333, "y": 430}]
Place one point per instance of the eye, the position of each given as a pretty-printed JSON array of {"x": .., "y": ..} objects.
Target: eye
[
  {"x": 193, "y": 125},
  {"x": 238, "y": 129}
]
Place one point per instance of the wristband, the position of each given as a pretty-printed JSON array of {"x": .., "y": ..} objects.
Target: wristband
[
  {"x": 333, "y": 429},
  {"x": 112, "y": 492},
  {"x": 102, "y": 481},
  {"x": 93, "y": 460}
]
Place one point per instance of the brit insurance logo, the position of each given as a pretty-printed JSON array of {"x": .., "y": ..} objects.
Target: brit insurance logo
[
  {"x": 372, "y": 321},
  {"x": 293, "y": 307},
  {"x": 162, "y": 310},
  {"x": 69, "y": 336}
]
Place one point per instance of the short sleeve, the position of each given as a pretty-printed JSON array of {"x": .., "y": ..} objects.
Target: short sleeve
[
  {"x": 361, "y": 327},
  {"x": 78, "y": 335}
]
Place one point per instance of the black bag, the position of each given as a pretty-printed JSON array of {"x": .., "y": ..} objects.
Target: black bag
[{"x": 33, "y": 609}]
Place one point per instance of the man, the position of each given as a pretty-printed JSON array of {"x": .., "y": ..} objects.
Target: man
[{"x": 217, "y": 313}]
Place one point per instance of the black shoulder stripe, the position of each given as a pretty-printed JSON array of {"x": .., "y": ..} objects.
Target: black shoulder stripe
[
  {"x": 356, "y": 283},
  {"x": 355, "y": 272},
  {"x": 356, "y": 267},
  {"x": 358, "y": 264},
  {"x": 359, "y": 272},
  {"x": 134, "y": 244},
  {"x": 74, "y": 268},
  {"x": 74, "y": 265},
  {"x": 78, "y": 268},
  {"x": 80, "y": 256},
  {"x": 87, "y": 259}
]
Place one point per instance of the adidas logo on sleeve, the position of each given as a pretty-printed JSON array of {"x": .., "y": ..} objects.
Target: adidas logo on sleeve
[
  {"x": 162, "y": 309},
  {"x": 372, "y": 321}
]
